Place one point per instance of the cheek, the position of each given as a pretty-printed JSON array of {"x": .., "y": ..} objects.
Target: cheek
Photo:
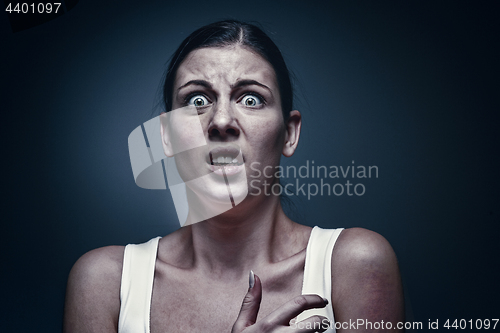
[
  {"x": 267, "y": 138},
  {"x": 186, "y": 131},
  {"x": 191, "y": 164}
]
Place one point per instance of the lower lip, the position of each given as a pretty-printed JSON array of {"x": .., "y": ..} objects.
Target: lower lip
[{"x": 227, "y": 170}]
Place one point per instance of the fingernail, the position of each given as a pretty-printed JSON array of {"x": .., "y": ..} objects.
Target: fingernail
[
  {"x": 326, "y": 301},
  {"x": 251, "y": 280}
]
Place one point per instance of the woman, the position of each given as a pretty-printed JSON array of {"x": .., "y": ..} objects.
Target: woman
[{"x": 197, "y": 278}]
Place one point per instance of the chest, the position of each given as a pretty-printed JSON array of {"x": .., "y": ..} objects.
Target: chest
[{"x": 182, "y": 301}]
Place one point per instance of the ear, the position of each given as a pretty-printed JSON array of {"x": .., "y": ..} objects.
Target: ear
[
  {"x": 165, "y": 135},
  {"x": 292, "y": 135}
]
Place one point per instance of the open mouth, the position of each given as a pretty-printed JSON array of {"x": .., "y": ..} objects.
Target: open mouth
[{"x": 225, "y": 156}]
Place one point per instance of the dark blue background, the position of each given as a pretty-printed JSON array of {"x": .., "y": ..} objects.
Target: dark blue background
[{"x": 410, "y": 87}]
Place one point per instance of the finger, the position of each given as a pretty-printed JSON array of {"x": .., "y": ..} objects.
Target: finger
[
  {"x": 292, "y": 308},
  {"x": 311, "y": 324},
  {"x": 250, "y": 307}
]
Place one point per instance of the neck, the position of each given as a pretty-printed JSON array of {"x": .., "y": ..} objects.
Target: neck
[{"x": 251, "y": 235}]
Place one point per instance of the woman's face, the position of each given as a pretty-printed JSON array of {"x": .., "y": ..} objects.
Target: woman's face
[{"x": 237, "y": 98}]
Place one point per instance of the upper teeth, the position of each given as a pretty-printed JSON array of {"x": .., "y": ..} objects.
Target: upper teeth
[{"x": 222, "y": 159}]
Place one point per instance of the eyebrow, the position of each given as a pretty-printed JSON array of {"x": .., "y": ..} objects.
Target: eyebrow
[
  {"x": 238, "y": 84},
  {"x": 243, "y": 83},
  {"x": 203, "y": 83}
]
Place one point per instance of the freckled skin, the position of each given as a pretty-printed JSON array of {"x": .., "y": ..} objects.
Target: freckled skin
[{"x": 201, "y": 275}]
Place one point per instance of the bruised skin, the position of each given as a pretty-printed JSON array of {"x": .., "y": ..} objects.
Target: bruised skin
[{"x": 366, "y": 283}]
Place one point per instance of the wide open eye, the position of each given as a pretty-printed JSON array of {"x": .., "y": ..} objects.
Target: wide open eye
[
  {"x": 198, "y": 101},
  {"x": 251, "y": 100}
]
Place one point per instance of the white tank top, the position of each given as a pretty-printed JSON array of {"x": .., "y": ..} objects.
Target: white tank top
[{"x": 139, "y": 267}]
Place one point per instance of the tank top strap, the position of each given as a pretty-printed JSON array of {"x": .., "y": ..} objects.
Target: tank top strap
[
  {"x": 318, "y": 271},
  {"x": 137, "y": 286}
]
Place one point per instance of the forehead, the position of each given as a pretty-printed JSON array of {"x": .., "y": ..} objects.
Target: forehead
[{"x": 225, "y": 65}]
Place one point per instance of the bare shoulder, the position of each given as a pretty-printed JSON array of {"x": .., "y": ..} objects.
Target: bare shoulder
[
  {"x": 102, "y": 261},
  {"x": 358, "y": 246},
  {"x": 366, "y": 282},
  {"x": 93, "y": 291}
]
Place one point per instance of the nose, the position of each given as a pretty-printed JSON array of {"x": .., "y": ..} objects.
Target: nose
[{"x": 223, "y": 124}]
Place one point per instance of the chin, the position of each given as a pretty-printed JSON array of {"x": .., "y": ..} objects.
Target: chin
[{"x": 218, "y": 192}]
